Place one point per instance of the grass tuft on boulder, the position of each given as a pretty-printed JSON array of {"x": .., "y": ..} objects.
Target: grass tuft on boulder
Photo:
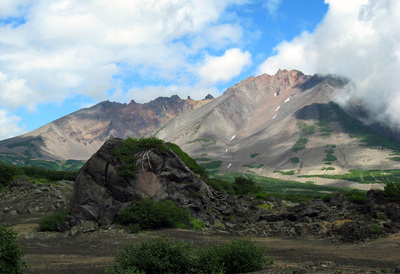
[{"x": 129, "y": 148}]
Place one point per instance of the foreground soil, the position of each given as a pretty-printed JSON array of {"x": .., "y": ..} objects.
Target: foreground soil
[{"x": 48, "y": 252}]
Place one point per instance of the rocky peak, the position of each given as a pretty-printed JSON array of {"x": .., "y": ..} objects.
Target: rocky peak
[{"x": 209, "y": 97}]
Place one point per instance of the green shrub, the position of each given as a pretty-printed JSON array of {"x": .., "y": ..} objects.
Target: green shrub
[
  {"x": 300, "y": 144},
  {"x": 197, "y": 224},
  {"x": 210, "y": 259},
  {"x": 9, "y": 172},
  {"x": 238, "y": 256},
  {"x": 10, "y": 252},
  {"x": 150, "y": 214},
  {"x": 154, "y": 256},
  {"x": 189, "y": 161},
  {"x": 392, "y": 190},
  {"x": 221, "y": 185},
  {"x": 134, "y": 228},
  {"x": 53, "y": 222},
  {"x": 290, "y": 172},
  {"x": 305, "y": 128},
  {"x": 356, "y": 196},
  {"x": 243, "y": 185},
  {"x": 128, "y": 148},
  {"x": 295, "y": 160},
  {"x": 163, "y": 255}
]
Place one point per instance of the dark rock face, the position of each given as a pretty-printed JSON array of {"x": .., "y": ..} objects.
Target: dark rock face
[{"x": 99, "y": 192}]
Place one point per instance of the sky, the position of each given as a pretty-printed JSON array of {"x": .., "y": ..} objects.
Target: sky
[{"x": 59, "y": 56}]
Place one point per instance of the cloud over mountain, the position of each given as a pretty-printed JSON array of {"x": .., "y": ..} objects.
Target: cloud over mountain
[{"x": 358, "y": 39}]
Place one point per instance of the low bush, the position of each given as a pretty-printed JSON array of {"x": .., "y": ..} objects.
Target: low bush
[
  {"x": 300, "y": 144},
  {"x": 9, "y": 172},
  {"x": 154, "y": 256},
  {"x": 189, "y": 161},
  {"x": 163, "y": 255},
  {"x": 295, "y": 160},
  {"x": 150, "y": 214},
  {"x": 243, "y": 185},
  {"x": 221, "y": 185},
  {"x": 53, "y": 222},
  {"x": 392, "y": 191},
  {"x": 356, "y": 196},
  {"x": 10, "y": 252},
  {"x": 238, "y": 256}
]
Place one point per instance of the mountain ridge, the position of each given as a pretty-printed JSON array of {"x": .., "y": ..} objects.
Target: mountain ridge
[
  {"x": 283, "y": 126},
  {"x": 79, "y": 134}
]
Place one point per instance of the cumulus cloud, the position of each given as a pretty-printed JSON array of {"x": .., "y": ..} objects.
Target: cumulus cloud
[
  {"x": 54, "y": 50},
  {"x": 358, "y": 39},
  {"x": 223, "y": 68},
  {"x": 67, "y": 47},
  {"x": 9, "y": 125}
]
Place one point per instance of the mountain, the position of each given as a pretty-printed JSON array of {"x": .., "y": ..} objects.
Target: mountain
[
  {"x": 280, "y": 125},
  {"x": 80, "y": 134},
  {"x": 284, "y": 126}
]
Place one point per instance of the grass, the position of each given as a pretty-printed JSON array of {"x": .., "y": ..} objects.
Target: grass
[
  {"x": 272, "y": 185},
  {"x": 295, "y": 160},
  {"x": 285, "y": 187},
  {"x": 300, "y": 144},
  {"x": 212, "y": 165},
  {"x": 251, "y": 166},
  {"x": 211, "y": 141},
  {"x": 202, "y": 159},
  {"x": 363, "y": 176},
  {"x": 328, "y": 168},
  {"x": 290, "y": 172},
  {"x": 305, "y": 128},
  {"x": 329, "y": 150},
  {"x": 22, "y": 160},
  {"x": 360, "y": 131}
]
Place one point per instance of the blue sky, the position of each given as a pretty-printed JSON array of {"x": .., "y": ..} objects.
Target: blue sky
[{"x": 59, "y": 56}]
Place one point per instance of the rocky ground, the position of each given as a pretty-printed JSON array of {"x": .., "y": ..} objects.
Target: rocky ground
[{"x": 314, "y": 237}]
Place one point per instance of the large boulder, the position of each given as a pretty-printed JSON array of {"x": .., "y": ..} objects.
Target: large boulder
[{"x": 100, "y": 191}]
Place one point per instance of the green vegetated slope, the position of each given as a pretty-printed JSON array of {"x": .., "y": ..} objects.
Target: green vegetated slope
[
  {"x": 30, "y": 156},
  {"x": 272, "y": 185},
  {"x": 20, "y": 160},
  {"x": 354, "y": 128},
  {"x": 364, "y": 176},
  {"x": 35, "y": 174}
]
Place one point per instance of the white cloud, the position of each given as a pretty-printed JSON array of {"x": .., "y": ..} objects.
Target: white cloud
[
  {"x": 11, "y": 8},
  {"x": 14, "y": 92},
  {"x": 223, "y": 68},
  {"x": 358, "y": 39},
  {"x": 69, "y": 47},
  {"x": 9, "y": 125},
  {"x": 273, "y": 6}
]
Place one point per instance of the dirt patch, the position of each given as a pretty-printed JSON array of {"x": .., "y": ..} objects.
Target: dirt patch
[{"x": 51, "y": 252}]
